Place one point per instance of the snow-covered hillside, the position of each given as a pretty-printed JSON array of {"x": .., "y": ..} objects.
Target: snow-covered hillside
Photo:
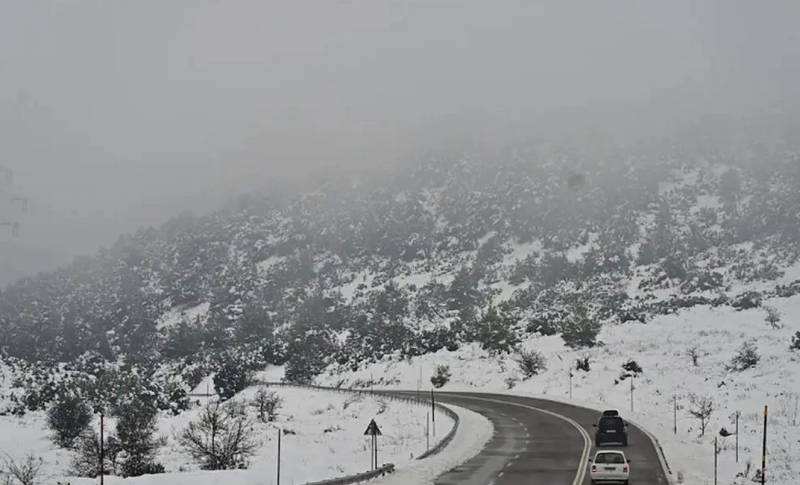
[{"x": 663, "y": 349}]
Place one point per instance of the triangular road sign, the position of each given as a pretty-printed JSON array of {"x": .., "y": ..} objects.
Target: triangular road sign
[{"x": 372, "y": 429}]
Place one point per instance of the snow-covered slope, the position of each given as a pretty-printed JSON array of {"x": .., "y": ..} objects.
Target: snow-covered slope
[{"x": 662, "y": 348}]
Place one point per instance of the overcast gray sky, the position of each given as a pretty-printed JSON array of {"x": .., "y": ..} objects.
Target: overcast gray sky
[{"x": 120, "y": 113}]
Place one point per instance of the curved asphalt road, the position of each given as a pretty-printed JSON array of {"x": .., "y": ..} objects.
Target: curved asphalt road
[{"x": 539, "y": 442}]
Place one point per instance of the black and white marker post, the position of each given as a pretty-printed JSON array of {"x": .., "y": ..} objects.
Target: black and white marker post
[
  {"x": 764, "y": 451},
  {"x": 102, "y": 449},
  {"x": 278, "y": 464}
]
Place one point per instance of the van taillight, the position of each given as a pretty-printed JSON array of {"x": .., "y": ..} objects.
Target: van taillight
[
  {"x": 594, "y": 468},
  {"x": 625, "y": 469}
]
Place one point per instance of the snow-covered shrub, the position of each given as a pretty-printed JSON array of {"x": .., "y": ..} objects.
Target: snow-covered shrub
[
  {"x": 795, "y": 342},
  {"x": 232, "y": 376},
  {"x": 702, "y": 408},
  {"x": 698, "y": 281},
  {"x": 495, "y": 332},
  {"x": 632, "y": 367},
  {"x": 266, "y": 403},
  {"x": 441, "y": 376},
  {"x": 531, "y": 363},
  {"x": 583, "y": 364},
  {"x": 222, "y": 438},
  {"x": 747, "y": 300},
  {"x": 746, "y": 357},
  {"x": 68, "y": 417},
  {"x": 579, "y": 330}
]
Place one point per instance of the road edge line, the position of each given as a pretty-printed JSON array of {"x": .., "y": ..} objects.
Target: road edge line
[
  {"x": 662, "y": 458},
  {"x": 587, "y": 441}
]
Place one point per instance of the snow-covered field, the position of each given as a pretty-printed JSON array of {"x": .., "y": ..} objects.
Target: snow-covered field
[
  {"x": 661, "y": 347},
  {"x": 323, "y": 438}
]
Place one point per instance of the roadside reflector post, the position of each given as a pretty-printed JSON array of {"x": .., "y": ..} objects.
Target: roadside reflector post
[
  {"x": 675, "y": 413},
  {"x": 632, "y": 387},
  {"x": 764, "y": 450},
  {"x": 427, "y": 431},
  {"x": 279, "y": 457},
  {"x": 716, "y": 451},
  {"x": 433, "y": 413},
  {"x": 737, "y": 436},
  {"x": 102, "y": 449}
]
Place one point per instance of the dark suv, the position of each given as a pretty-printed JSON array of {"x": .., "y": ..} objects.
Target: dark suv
[{"x": 611, "y": 430}]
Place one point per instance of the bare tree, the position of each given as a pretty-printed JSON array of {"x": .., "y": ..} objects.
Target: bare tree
[
  {"x": 702, "y": 409},
  {"x": 222, "y": 439},
  {"x": 26, "y": 471},
  {"x": 531, "y": 363},
  {"x": 267, "y": 404}
]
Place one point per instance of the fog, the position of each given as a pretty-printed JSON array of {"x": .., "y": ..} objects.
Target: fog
[{"x": 119, "y": 114}]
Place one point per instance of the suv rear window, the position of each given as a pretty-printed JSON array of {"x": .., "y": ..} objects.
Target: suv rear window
[{"x": 611, "y": 423}]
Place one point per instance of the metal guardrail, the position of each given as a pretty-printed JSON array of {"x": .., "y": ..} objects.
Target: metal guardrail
[
  {"x": 407, "y": 398},
  {"x": 361, "y": 477}
]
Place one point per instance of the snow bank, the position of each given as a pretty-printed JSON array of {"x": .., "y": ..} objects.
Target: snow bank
[
  {"x": 473, "y": 432},
  {"x": 323, "y": 438}
]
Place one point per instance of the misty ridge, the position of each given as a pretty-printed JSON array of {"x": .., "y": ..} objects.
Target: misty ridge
[{"x": 120, "y": 116}]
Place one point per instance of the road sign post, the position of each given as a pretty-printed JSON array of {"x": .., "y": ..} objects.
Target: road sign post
[{"x": 373, "y": 431}]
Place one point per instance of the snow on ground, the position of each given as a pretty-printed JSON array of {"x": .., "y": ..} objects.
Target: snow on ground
[
  {"x": 325, "y": 439},
  {"x": 264, "y": 266},
  {"x": 661, "y": 347},
  {"x": 175, "y": 315},
  {"x": 473, "y": 433}
]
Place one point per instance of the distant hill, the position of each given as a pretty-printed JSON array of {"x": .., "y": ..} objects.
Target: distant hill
[{"x": 423, "y": 258}]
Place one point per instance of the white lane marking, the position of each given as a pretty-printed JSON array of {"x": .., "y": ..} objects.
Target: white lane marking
[{"x": 587, "y": 441}]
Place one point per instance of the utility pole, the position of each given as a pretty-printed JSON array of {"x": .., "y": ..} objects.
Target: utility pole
[{"x": 764, "y": 450}]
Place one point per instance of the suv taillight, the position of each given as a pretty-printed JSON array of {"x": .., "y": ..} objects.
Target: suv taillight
[
  {"x": 594, "y": 468},
  {"x": 625, "y": 469}
]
